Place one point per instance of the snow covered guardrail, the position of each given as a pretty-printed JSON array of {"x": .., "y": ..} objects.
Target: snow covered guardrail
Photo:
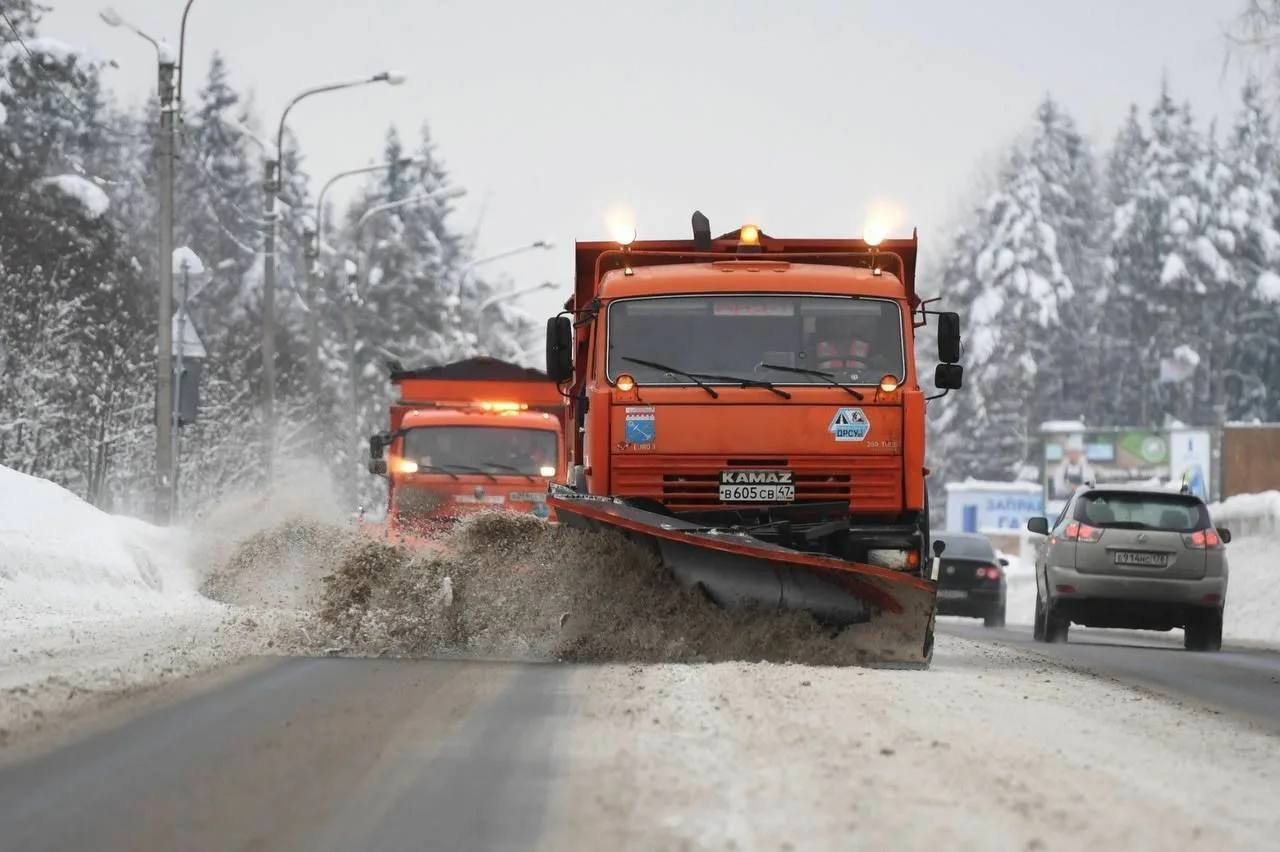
[{"x": 1248, "y": 514}]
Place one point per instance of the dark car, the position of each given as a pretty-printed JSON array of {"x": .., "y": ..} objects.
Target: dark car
[
  {"x": 1132, "y": 558},
  {"x": 971, "y": 578}
]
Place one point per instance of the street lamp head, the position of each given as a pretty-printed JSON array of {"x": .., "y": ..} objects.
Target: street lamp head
[
  {"x": 548, "y": 285},
  {"x": 393, "y": 78},
  {"x": 542, "y": 244},
  {"x": 110, "y": 17}
]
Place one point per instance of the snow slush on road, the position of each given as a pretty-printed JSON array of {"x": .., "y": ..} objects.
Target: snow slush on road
[{"x": 511, "y": 586}]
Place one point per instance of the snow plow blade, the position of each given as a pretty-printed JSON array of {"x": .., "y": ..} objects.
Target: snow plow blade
[{"x": 895, "y": 610}]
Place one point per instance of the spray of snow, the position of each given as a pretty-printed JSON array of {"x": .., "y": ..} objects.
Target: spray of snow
[
  {"x": 86, "y": 192},
  {"x": 508, "y": 585}
]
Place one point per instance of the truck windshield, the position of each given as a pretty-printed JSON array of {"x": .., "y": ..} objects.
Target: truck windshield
[
  {"x": 491, "y": 449},
  {"x": 856, "y": 341}
]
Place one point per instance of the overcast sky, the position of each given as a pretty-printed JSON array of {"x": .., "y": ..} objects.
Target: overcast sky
[{"x": 797, "y": 115}]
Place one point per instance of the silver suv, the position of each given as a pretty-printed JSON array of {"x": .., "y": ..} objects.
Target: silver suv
[{"x": 1132, "y": 558}]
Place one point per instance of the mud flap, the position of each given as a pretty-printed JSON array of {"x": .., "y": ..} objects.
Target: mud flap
[{"x": 893, "y": 609}]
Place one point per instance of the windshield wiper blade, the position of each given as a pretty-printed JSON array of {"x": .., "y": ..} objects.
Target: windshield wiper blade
[
  {"x": 437, "y": 469},
  {"x": 747, "y": 383},
  {"x": 830, "y": 378},
  {"x": 511, "y": 468},
  {"x": 470, "y": 468},
  {"x": 674, "y": 372}
]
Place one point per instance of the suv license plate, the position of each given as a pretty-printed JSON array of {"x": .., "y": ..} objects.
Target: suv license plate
[
  {"x": 1147, "y": 560},
  {"x": 757, "y": 486}
]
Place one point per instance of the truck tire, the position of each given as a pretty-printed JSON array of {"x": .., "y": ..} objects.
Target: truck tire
[
  {"x": 1203, "y": 632},
  {"x": 1037, "y": 631}
]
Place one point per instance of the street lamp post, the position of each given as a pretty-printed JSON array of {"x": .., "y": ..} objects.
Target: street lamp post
[
  {"x": 273, "y": 181},
  {"x": 170, "y": 96},
  {"x": 314, "y": 242}
]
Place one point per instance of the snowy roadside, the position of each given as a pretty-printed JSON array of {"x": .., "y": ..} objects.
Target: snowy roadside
[
  {"x": 992, "y": 748},
  {"x": 98, "y": 607}
]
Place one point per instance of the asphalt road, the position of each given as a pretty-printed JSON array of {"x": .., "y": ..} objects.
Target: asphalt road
[
  {"x": 315, "y": 754},
  {"x": 1241, "y": 681},
  {"x": 344, "y": 754}
]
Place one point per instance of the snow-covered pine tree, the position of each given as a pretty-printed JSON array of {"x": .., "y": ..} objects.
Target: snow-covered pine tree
[
  {"x": 1246, "y": 231},
  {"x": 1007, "y": 276},
  {"x": 71, "y": 313},
  {"x": 1161, "y": 269}
]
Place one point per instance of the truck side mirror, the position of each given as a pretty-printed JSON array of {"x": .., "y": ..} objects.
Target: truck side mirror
[
  {"x": 948, "y": 377},
  {"x": 559, "y": 349},
  {"x": 377, "y": 443},
  {"x": 378, "y": 467},
  {"x": 1039, "y": 526},
  {"x": 949, "y": 338}
]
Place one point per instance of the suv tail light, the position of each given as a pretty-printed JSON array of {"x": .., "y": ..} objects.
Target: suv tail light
[
  {"x": 1076, "y": 531},
  {"x": 1203, "y": 540}
]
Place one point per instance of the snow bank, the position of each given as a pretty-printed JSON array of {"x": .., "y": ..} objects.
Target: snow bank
[
  {"x": 1248, "y": 514},
  {"x": 59, "y": 555},
  {"x": 91, "y": 197}
]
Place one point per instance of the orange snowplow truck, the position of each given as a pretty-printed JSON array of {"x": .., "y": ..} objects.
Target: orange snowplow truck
[
  {"x": 750, "y": 407},
  {"x": 475, "y": 434}
]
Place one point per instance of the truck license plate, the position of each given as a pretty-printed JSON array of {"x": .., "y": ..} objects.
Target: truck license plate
[
  {"x": 757, "y": 486},
  {"x": 1149, "y": 560}
]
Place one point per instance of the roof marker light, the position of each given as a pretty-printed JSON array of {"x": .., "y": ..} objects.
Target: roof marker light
[{"x": 749, "y": 235}]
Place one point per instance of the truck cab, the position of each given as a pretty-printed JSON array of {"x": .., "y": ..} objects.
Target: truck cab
[
  {"x": 476, "y": 434},
  {"x": 755, "y": 382}
]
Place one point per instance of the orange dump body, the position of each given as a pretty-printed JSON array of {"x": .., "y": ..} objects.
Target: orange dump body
[{"x": 473, "y": 435}]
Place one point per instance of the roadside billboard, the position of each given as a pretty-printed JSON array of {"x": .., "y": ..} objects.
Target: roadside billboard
[
  {"x": 1103, "y": 457},
  {"x": 990, "y": 507}
]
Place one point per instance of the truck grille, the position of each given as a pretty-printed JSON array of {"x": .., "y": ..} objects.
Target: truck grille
[{"x": 688, "y": 483}]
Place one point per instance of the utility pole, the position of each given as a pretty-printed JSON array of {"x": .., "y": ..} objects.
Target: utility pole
[
  {"x": 271, "y": 188},
  {"x": 177, "y": 387},
  {"x": 311, "y": 251},
  {"x": 164, "y": 313}
]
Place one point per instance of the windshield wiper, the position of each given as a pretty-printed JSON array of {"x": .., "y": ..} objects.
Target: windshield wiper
[
  {"x": 433, "y": 468},
  {"x": 746, "y": 383},
  {"x": 514, "y": 470},
  {"x": 674, "y": 372},
  {"x": 830, "y": 378},
  {"x": 470, "y": 468}
]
